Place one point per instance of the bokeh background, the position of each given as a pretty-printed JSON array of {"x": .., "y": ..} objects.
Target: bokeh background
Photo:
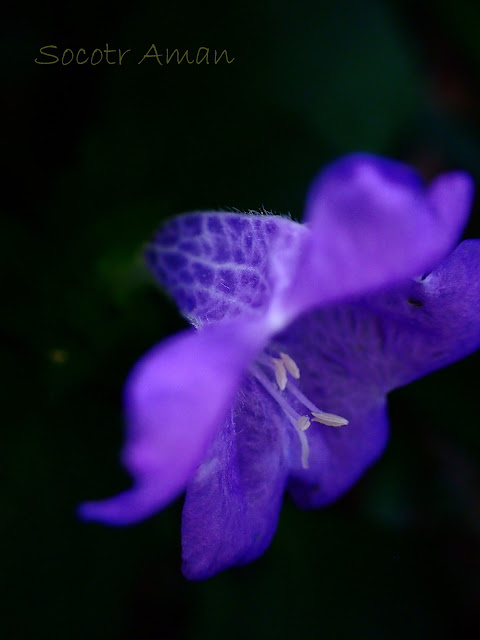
[{"x": 96, "y": 157}]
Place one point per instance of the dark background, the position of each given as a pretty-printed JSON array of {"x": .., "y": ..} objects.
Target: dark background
[{"x": 96, "y": 157}]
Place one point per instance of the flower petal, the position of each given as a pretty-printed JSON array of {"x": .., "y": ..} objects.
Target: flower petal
[
  {"x": 351, "y": 355},
  {"x": 219, "y": 265},
  {"x": 233, "y": 503},
  {"x": 176, "y": 397},
  {"x": 373, "y": 224},
  {"x": 339, "y": 456},
  {"x": 339, "y": 353},
  {"x": 434, "y": 319}
]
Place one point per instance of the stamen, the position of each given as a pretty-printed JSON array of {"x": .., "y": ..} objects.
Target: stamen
[
  {"x": 300, "y": 423},
  {"x": 330, "y": 419},
  {"x": 290, "y": 365},
  {"x": 280, "y": 373},
  {"x": 305, "y": 448},
  {"x": 303, "y": 423},
  {"x": 278, "y": 397},
  {"x": 303, "y": 399}
]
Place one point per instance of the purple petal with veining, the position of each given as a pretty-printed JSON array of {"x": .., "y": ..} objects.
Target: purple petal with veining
[
  {"x": 232, "y": 505},
  {"x": 219, "y": 265}
]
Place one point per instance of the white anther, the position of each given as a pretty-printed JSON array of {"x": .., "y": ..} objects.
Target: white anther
[
  {"x": 280, "y": 373},
  {"x": 330, "y": 419},
  {"x": 290, "y": 365},
  {"x": 303, "y": 423}
]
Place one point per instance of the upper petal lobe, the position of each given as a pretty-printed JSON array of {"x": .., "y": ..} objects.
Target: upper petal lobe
[
  {"x": 219, "y": 265},
  {"x": 373, "y": 224}
]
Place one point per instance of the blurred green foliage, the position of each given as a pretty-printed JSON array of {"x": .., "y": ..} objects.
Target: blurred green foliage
[{"x": 98, "y": 156}]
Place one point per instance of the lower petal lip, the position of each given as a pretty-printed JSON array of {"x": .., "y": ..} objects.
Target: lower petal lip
[{"x": 176, "y": 398}]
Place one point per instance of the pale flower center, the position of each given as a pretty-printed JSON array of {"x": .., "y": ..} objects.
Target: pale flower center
[{"x": 283, "y": 390}]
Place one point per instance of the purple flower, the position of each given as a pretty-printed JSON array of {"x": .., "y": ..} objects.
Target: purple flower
[{"x": 302, "y": 331}]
